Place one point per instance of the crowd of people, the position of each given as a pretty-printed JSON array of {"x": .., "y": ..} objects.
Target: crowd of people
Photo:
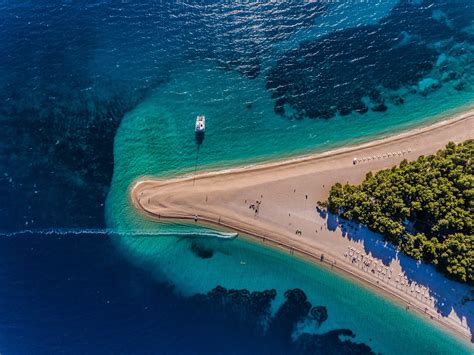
[{"x": 386, "y": 273}]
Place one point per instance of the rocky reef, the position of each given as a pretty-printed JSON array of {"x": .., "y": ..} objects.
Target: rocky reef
[
  {"x": 251, "y": 312},
  {"x": 412, "y": 51}
]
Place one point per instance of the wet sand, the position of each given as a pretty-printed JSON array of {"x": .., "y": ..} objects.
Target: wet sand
[{"x": 274, "y": 203}]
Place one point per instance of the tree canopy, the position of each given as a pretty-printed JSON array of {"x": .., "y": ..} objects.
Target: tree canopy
[{"x": 425, "y": 207}]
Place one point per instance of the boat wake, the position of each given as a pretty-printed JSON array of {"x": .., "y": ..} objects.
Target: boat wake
[{"x": 60, "y": 232}]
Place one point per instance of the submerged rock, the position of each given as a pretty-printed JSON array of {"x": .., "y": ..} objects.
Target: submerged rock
[
  {"x": 460, "y": 85},
  {"x": 380, "y": 108},
  {"x": 201, "y": 251},
  {"x": 428, "y": 85},
  {"x": 325, "y": 76},
  {"x": 397, "y": 100},
  {"x": 320, "y": 314},
  {"x": 448, "y": 76}
]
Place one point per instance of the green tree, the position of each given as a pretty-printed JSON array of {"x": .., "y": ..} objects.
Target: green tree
[{"x": 426, "y": 207}]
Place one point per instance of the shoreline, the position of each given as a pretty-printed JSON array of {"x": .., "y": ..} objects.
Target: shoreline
[
  {"x": 344, "y": 272},
  {"x": 310, "y": 153},
  {"x": 182, "y": 198}
]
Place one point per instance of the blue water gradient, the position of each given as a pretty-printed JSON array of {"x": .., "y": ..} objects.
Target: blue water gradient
[
  {"x": 95, "y": 93},
  {"x": 72, "y": 294}
]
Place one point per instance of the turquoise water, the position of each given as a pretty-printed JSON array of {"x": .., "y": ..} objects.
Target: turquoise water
[
  {"x": 260, "y": 110},
  {"x": 157, "y": 139},
  {"x": 99, "y": 88}
]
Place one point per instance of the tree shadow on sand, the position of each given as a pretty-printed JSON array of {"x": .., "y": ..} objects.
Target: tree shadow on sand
[{"x": 449, "y": 295}]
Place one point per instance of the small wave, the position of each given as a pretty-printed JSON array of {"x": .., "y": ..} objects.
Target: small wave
[{"x": 112, "y": 232}]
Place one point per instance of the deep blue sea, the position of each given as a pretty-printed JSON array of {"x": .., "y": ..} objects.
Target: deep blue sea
[{"x": 94, "y": 94}]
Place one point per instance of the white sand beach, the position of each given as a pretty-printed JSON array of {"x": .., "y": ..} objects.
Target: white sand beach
[{"x": 275, "y": 203}]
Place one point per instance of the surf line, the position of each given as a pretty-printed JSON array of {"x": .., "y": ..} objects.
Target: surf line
[{"x": 104, "y": 232}]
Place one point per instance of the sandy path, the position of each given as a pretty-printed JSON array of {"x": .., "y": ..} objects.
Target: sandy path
[{"x": 285, "y": 194}]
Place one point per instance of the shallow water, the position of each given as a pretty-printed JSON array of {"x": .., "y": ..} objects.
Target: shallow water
[
  {"x": 157, "y": 139},
  {"x": 108, "y": 87}
]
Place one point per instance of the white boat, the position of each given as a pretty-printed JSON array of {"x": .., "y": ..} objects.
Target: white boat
[{"x": 200, "y": 124}]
